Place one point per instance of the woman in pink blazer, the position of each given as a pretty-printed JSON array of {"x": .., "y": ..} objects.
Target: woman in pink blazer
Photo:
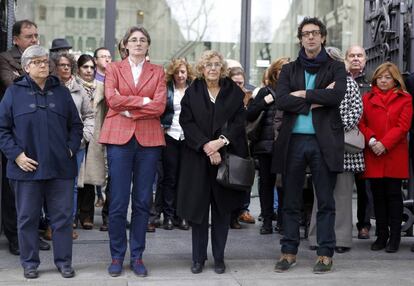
[{"x": 135, "y": 93}]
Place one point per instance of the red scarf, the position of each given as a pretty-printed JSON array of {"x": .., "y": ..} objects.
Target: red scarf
[{"x": 385, "y": 96}]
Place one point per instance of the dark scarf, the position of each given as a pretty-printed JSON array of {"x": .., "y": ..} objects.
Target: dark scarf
[{"x": 312, "y": 65}]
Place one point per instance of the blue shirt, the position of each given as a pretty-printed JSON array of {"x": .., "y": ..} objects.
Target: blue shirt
[{"x": 304, "y": 124}]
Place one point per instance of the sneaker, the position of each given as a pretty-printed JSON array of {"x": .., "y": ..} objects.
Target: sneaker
[
  {"x": 323, "y": 265},
  {"x": 139, "y": 268},
  {"x": 246, "y": 217},
  {"x": 115, "y": 268},
  {"x": 285, "y": 262}
]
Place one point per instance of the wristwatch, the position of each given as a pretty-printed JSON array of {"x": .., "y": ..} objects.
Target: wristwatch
[{"x": 224, "y": 139}]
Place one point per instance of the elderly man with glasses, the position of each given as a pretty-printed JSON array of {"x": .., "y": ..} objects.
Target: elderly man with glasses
[{"x": 39, "y": 134}]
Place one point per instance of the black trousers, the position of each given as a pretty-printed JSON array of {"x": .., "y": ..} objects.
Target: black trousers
[
  {"x": 171, "y": 156},
  {"x": 219, "y": 231},
  {"x": 267, "y": 182},
  {"x": 86, "y": 203},
  {"x": 304, "y": 151},
  {"x": 388, "y": 206},
  {"x": 8, "y": 205},
  {"x": 364, "y": 203}
]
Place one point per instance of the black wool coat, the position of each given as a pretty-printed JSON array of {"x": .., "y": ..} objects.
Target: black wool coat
[
  {"x": 326, "y": 120},
  {"x": 265, "y": 143},
  {"x": 203, "y": 121}
]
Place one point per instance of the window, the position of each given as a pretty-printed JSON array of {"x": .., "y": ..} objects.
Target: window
[
  {"x": 70, "y": 40},
  {"x": 42, "y": 12},
  {"x": 80, "y": 13},
  {"x": 91, "y": 13},
  {"x": 70, "y": 12},
  {"x": 80, "y": 44},
  {"x": 90, "y": 44}
]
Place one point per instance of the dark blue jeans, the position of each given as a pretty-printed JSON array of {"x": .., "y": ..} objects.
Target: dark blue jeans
[
  {"x": 130, "y": 163},
  {"x": 304, "y": 151}
]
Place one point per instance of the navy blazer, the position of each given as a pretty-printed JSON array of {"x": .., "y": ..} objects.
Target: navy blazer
[{"x": 42, "y": 123}]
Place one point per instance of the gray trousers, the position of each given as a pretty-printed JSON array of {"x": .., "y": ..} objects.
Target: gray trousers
[{"x": 343, "y": 218}]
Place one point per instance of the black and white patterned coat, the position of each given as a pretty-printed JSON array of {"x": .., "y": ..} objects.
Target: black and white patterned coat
[{"x": 351, "y": 112}]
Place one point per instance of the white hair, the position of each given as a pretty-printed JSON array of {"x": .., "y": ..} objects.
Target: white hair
[{"x": 31, "y": 52}]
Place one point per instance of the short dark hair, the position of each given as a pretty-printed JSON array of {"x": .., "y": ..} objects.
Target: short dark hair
[
  {"x": 84, "y": 59},
  {"x": 95, "y": 53},
  {"x": 17, "y": 27},
  {"x": 315, "y": 21}
]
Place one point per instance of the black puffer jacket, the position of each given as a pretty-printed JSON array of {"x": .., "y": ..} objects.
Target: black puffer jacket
[{"x": 265, "y": 143}]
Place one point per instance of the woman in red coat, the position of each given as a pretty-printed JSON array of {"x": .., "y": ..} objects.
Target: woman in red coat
[{"x": 385, "y": 124}]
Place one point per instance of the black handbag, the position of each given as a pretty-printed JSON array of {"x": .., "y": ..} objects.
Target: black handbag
[
  {"x": 236, "y": 173},
  {"x": 254, "y": 128}
]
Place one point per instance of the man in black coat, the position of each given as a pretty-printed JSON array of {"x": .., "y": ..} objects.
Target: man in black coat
[{"x": 309, "y": 92}]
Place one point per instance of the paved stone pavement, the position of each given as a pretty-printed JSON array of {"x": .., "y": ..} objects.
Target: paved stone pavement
[{"x": 249, "y": 258}]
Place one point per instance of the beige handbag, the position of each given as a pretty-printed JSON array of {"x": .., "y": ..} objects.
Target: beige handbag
[{"x": 354, "y": 141}]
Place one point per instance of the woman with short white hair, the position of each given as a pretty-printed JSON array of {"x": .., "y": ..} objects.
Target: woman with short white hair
[{"x": 40, "y": 132}]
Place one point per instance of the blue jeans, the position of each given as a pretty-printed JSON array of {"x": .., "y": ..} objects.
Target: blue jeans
[
  {"x": 304, "y": 151},
  {"x": 128, "y": 163},
  {"x": 79, "y": 159}
]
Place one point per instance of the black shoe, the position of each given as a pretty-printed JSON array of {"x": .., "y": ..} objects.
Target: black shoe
[
  {"x": 184, "y": 225},
  {"x": 197, "y": 267},
  {"x": 234, "y": 224},
  {"x": 266, "y": 229},
  {"x": 219, "y": 267},
  {"x": 104, "y": 227},
  {"x": 393, "y": 245},
  {"x": 43, "y": 245},
  {"x": 341, "y": 249},
  {"x": 67, "y": 271},
  {"x": 313, "y": 247},
  {"x": 30, "y": 273},
  {"x": 379, "y": 244},
  {"x": 14, "y": 247},
  {"x": 168, "y": 224}
]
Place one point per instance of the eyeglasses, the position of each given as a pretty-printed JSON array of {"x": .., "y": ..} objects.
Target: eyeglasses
[
  {"x": 105, "y": 57},
  {"x": 38, "y": 63},
  {"x": 140, "y": 40},
  {"x": 64, "y": 65},
  {"x": 314, "y": 33},
  {"x": 87, "y": 67},
  {"x": 211, "y": 65}
]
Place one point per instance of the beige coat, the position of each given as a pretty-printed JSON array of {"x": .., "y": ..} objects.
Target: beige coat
[{"x": 93, "y": 169}]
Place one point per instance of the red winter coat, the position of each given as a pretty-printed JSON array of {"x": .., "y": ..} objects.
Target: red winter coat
[{"x": 388, "y": 123}]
